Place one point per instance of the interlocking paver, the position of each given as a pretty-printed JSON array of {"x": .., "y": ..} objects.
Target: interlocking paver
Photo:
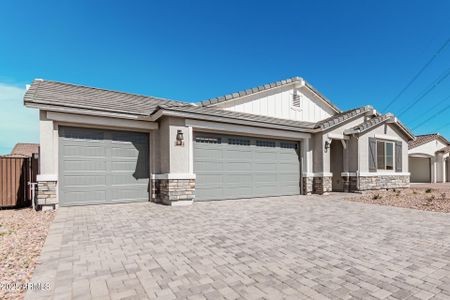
[{"x": 288, "y": 247}]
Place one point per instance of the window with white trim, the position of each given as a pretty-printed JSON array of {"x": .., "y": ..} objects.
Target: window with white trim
[{"x": 385, "y": 155}]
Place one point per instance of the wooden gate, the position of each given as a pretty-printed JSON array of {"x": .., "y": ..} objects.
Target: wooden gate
[{"x": 15, "y": 174}]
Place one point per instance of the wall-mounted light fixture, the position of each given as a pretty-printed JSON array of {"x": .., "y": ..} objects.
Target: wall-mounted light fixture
[
  {"x": 327, "y": 145},
  {"x": 180, "y": 138}
]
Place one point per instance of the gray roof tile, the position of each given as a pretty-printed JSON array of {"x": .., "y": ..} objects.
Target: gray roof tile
[
  {"x": 342, "y": 117},
  {"x": 60, "y": 94},
  {"x": 240, "y": 116},
  {"x": 426, "y": 138},
  {"x": 263, "y": 88}
]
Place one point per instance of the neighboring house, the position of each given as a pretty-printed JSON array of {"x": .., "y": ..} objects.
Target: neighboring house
[
  {"x": 282, "y": 138},
  {"x": 25, "y": 149},
  {"x": 429, "y": 158}
]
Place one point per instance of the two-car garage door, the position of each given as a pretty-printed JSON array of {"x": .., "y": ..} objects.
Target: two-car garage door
[
  {"x": 233, "y": 167},
  {"x": 102, "y": 166}
]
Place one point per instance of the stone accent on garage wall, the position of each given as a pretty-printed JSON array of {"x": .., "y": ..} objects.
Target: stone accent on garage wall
[
  {"x": 173, "y": 191},
  {"x": 322, "y": 184},
  {"x": 364, "y": 183},
  {"x": 46, "y": 194},
  {"x": 307, "y": 185}
]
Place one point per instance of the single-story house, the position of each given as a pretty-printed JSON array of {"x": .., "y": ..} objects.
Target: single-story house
[
  {"x": 25, "y": 149},
  {"x": 282, "y": 138},
  {"x": 429, "y": 159}
]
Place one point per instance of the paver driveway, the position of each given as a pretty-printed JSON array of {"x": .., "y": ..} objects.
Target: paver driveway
[{"x": 289, "y": 247}]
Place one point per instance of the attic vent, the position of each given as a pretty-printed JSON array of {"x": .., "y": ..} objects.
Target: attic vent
[{"x": 296, "y": 99}]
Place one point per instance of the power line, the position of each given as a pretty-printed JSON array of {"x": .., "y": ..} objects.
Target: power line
[
  {"x": 434, "y": 85},
  {"x": 443, "y": 126},
  {"x": 436, "y": 54},
  {"x": 436, "y": 105},
  {"x": 433, "y": 116}
]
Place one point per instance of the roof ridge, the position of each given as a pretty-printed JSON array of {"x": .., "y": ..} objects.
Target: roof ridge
[
  {"x": 104, "y": 90},
  {"x": 252, "y": 90}
]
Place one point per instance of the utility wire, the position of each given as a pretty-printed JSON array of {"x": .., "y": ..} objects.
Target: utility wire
[
  {"x": 443, "y": 126},
  {"x": 435, "y": 55},
  {"x": 435, "y": 84},
  {"x": 434, "y": 106},
  {"x": 433, "y": 116}
]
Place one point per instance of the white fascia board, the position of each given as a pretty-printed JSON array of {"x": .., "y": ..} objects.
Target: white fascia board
[
  {"x": 420, "y": 155},
  {"x": 85, "y": 111},
  {"x": 383, "y": 173},
  {"x": 388, "y": 137},
  {"x": 173, "y": 176},
  {"x": 337, "y": 136},
  {"x": 255, "y": 131},
  {"x": 317, "y": 174},
  {"x": 68, "y": 118},
  {"x": 46, "y": 177}
]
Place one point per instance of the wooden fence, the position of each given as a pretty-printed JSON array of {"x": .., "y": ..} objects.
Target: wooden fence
[{"x": 15, "y": 174}]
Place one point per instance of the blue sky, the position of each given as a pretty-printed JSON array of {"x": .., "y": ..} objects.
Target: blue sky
[{"x": 354, "y": 52}]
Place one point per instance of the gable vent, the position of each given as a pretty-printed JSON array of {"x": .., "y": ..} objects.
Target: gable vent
[{"x": 296, "y": 99}]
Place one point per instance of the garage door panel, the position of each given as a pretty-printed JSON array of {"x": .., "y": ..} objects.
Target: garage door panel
[
  {"x": 237, "y": 155},
  {"x": 84, "y": 180},
  {"x": 264, "y": 166},
  {"x": 84, "y": 164},
  {"x": 233, "y": 166},
  {"x": 244, "y": 167},
  {"x": 420, "y": 169},
  {"x": 206, "y": 166},
  {"x": 83, "y": 197},
  {"x": 129, "y": 193},
  {"x": 102, "y": 166},
  {"x": 84, "y": 151}
]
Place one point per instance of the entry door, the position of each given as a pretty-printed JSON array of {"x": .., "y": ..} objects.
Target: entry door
[
  {"x": 236, "y": 167},
  {"x": 102, "y": 166}
]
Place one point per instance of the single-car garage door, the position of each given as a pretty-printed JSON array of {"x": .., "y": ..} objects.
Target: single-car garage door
[
  {"x": 420, "y": 169},
  {"x": 233, "y": 167},
  {"x": 102, "y": 166}
]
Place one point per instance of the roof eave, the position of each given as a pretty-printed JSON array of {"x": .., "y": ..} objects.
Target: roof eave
[{"x": 163, "y": 111}]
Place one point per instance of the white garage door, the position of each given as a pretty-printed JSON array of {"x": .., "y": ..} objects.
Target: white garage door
[
  {"x": 420, "y": 169},
  {"x": 102, "y": 166},
  {"x": 233, "y": 167}
]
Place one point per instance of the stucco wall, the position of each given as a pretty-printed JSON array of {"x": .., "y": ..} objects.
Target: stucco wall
[
  {"x": 382, "y": 132},
  {"x": 322, "y": 158}
]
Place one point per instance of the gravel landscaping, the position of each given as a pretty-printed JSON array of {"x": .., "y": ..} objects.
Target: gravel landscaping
[
  {"x": 429, "y": 198},
  {"x": 22, "y": 235}
]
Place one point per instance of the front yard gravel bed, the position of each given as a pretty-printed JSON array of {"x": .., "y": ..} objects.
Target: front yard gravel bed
[
  {"x": 22, "y": 235},
  {"x": 429, "y": 199}
]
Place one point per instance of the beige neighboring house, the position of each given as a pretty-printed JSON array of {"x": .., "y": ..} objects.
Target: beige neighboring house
[
  {"x": 25, "y": 149},
  {"x": 281, "y": 138},
  {"x": 429, "y": 159}
]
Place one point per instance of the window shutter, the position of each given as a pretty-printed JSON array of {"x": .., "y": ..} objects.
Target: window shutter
[
  {"x": 398, "y": 157},
  {"x": 372, "y": 155}
]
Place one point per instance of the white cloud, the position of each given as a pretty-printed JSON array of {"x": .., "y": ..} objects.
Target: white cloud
[{"x": 17, "y": 123}]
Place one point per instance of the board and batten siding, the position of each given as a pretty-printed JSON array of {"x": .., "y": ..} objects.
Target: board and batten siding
[{"x": 278, "y": 104}]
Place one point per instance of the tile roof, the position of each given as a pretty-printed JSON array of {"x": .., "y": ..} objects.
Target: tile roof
[
  {"x": 265, "y": 87},
  {"x": 342, "y": 117},
  {"x": 445, "y": 150},
  {"x": 373, "y": 122},
  {"x": 45, "y": 92},
  {"x": 426, "y": 138},
  {"x": 239, "y": 116},
  {"x": 25, "y": 149}
]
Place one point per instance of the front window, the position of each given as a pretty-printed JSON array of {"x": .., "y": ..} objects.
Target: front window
[{"x": 385, "y": 155}]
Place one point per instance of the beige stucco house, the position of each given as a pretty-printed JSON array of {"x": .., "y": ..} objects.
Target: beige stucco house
[
  {"x": 429, "y": 159},
  {"x": 282, "y": 138}
]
